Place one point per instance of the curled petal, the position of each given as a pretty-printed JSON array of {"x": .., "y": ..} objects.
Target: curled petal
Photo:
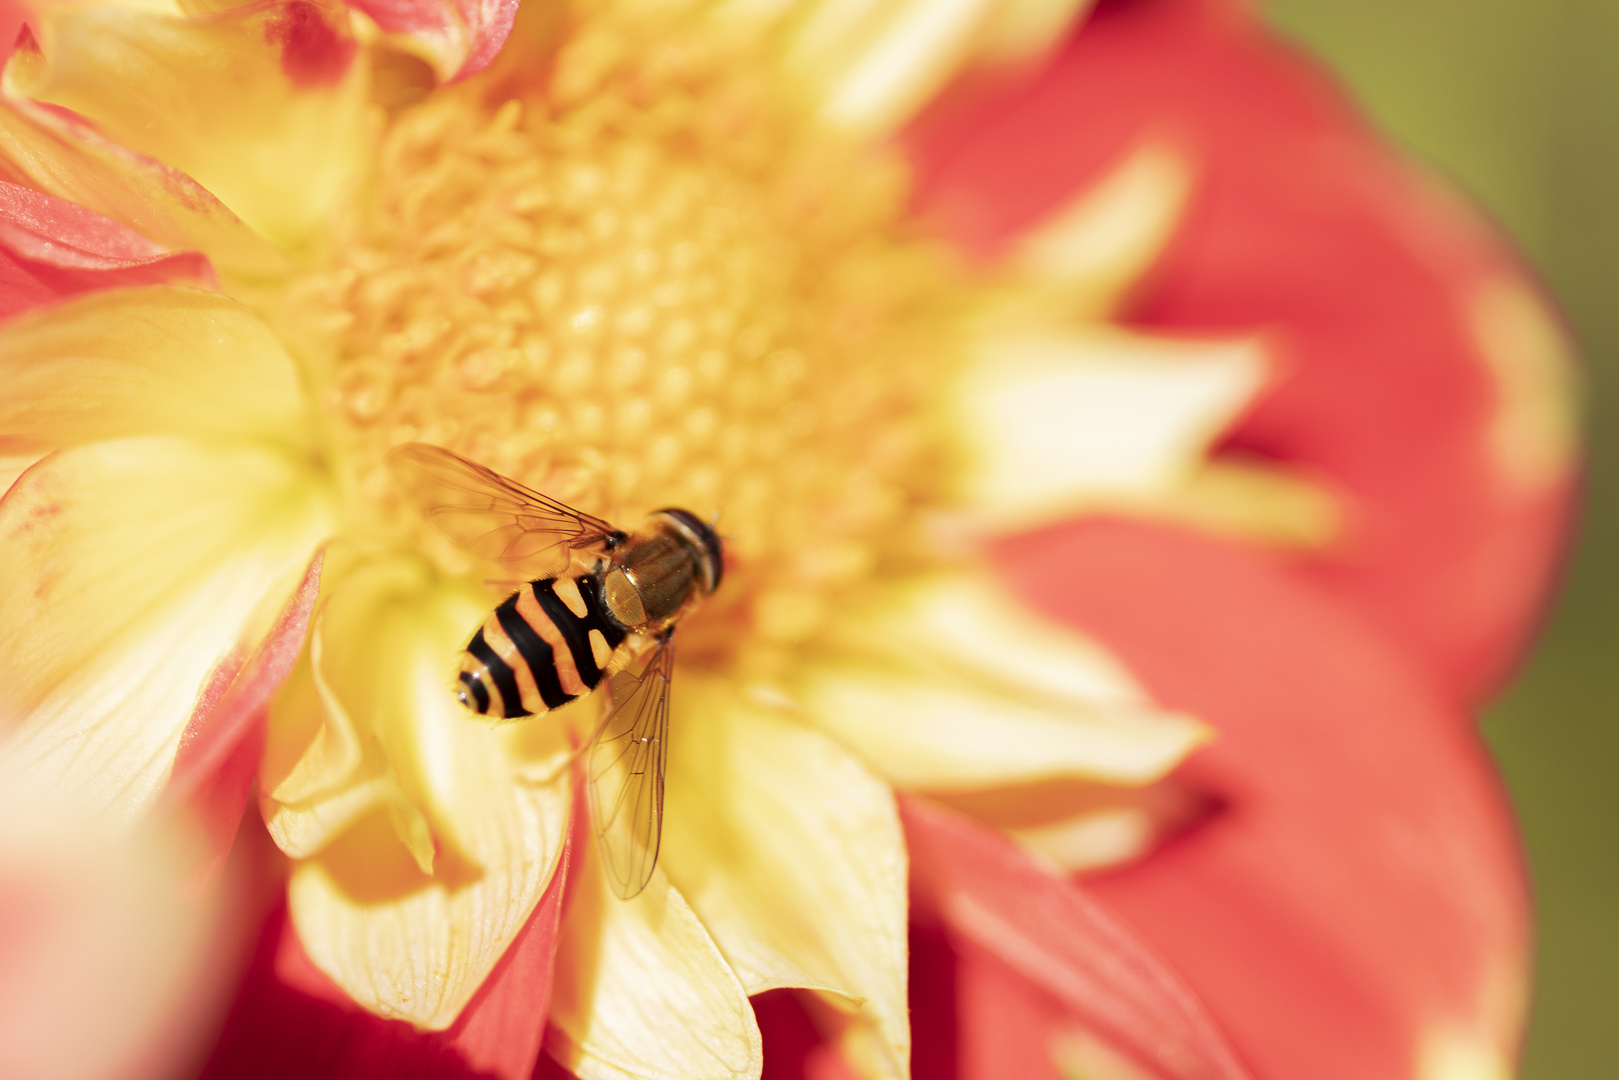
[
  {"x": 151, "y": 361},
  {"x": 262, "y": 104},
  {"x": 60, "y": 155},
  {"x": 946, "y": 685},
  {"x": 642, "y": 992},
  {"x": 290, "y": 1020},
  {"x": 216, "y": 766},
  {"x": 50, "y": 249},
  {"x": 409, "y": 904},
  {"x": 458, "y": 37},
  {"x": 790, "y": 852},
  {"x": 129, "y": 569}
]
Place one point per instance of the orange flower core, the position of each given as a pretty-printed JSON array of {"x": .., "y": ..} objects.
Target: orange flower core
[{"x": 637, "y": 275}]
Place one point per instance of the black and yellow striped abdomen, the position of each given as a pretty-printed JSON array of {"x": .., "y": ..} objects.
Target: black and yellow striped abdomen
[{"x": 545, "y": 645}]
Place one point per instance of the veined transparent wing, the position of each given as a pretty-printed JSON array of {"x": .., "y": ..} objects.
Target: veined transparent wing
[
  {"x": 625, "y": 772},
  {"x": 493, "y": 517}
]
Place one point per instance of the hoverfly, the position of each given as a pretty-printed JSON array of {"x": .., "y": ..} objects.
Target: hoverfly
[{"x": 561, "y": 635}]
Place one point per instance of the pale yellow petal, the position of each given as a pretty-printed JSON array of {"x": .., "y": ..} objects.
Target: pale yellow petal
[
  {"x": 1051, "y": 423},
  {"x": 869, "y": 65},
  {"x": 1083, "y": 258},
  {"x": 1079, "y": 1054},
  {"x": 1252, "y": 500},
  {"x": 1078, "y": 825},
  {"x": 1017, "y": 30},
  {"x": 641, "y": 991},
  {"x": 1453, "y": 1055},
  {"x": 128, "y": 570},
  {"x": 945, "y": 684},
  {"x": 317, "y": 777},
  {"x": 409, "y": 907},
  {"x": 875, "y": 63},
  {"x": 791, "y": 853},
  {"x": 160, "y": 360},
  {"x": 264, "y": 105},
  {"x": 61, "y": 156},
  {"x": 1091, "y": 841}
]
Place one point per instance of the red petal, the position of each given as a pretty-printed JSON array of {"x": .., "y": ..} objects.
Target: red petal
[
  {"x": 1362, "y": 888},
  {"x": 316, "y": 49},
  {"x": 218, "y": 758},
  {"x": 290, "y": 1020},
  {"x": 1302, "y": 224},
  {"x": 484, "y": 24},
  {"x": 992, "y": 895},
  {"x": 51, "y": 249},
  {"x": 795, "y": 1049},
  {"x": 1009, "y": 1025}
]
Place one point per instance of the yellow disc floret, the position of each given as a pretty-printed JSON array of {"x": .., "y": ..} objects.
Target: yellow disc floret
[{"x": 635, "y": 278}]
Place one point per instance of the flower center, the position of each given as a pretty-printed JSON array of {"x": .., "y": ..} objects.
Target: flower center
[{"x": 642, "y": 279}]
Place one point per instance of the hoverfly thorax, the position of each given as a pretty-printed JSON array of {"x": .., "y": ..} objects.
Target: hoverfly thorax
[{"x": 662, "y": 570}]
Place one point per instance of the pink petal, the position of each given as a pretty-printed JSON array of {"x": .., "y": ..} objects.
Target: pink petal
[
  {"x": 992, "y": 896},
  {"x": 478, "y": 28},
  {"x": 51, "y": 249},
  {"x": 290, "y": 1020},
  {"x": 1368, "y": 277},
  {"x": 1362, "y": 890},
  {"x": 218, "y": 758}
]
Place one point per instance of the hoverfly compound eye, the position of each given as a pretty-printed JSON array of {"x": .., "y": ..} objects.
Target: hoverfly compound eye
[{"x": 701, "y": 535}]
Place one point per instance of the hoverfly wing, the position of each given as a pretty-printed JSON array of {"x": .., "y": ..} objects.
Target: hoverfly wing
[
  {"x": 490, "y": 516},
  {"x": 625, "y": 771}
]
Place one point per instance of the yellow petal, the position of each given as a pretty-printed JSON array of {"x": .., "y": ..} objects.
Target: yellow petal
[
  {"x": 1017, "y": 30},
  {"x": 263, "y": 105},
  {"x": 946, "y": 684},
  {"x": 1258, "y": 501},
  {"x": 128, "y": 569},
  {"x": 1078, "y": 825},
  {"x": 641, "y": 991},
  {"x": 1446, "y": 1054},
  {"x": 67, "y": 158},
  {"x": 872, "y": 64},
  {"x": 160, "y": 360},
  {"x": 1081, "y": 260},
  {"x": 1051, "y": 423},
  {"x": 790, "y": 852},
  {"x": 314, "y": 774},
  {"x": 1535, "y": 432},
  {"x": 410, "y": 905}
]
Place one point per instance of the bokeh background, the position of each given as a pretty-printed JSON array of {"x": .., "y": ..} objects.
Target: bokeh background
[{"x": 1517, "y": 102}]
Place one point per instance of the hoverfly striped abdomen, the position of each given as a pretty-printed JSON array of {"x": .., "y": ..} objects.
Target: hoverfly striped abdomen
[{"x": 545, "y": 645}]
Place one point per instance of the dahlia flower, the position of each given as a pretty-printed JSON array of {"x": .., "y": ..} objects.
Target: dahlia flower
[{"x": 1127, "y": 474}]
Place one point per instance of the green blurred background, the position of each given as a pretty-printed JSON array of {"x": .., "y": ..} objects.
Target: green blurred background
[{"x": 1517, "y": 101}]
